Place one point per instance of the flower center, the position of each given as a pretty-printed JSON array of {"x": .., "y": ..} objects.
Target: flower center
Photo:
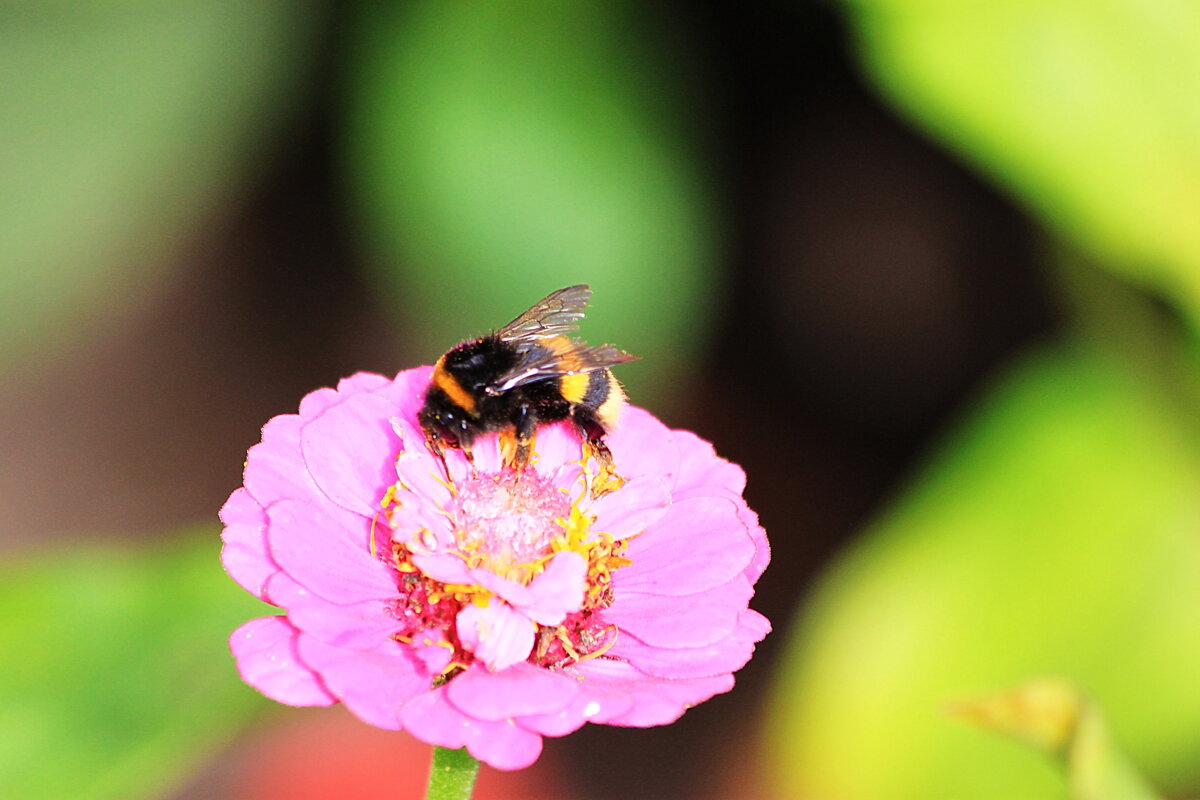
[
  {"x": 518, "y": 574},
  {"x": 507, "y": 522}
]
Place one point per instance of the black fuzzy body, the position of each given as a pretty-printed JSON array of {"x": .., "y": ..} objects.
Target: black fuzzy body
[{"x": 474, "y": 367}]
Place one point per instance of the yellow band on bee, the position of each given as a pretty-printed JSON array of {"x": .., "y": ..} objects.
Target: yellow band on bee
[
  {"x": 610, "y": 410},
  {"x": 453, "y": 389},
  {"x": 574, "y": 387}
]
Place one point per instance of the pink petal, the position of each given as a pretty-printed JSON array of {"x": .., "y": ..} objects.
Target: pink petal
[
  {"x": 497, "y": 634},
  {"x": 653, "y": 701},
  {"x": 267, "y": 659},
  {"x": 697, "y": 620},
  {"x": 553, "y": 594},
  {"x": 362, "y": 382},
  {"x": 406, "y": 392},
  {"x": 762, "y": 547},
  {"x": 558, "y": 590},
  {"x": 433, "y": 719},
  {"x": 566, "y": 477},
  {"x": 359, "y": 626},
  {"x": 275, "y": 468},
  {"x": 443, "y": 567},
  {"x": 460, "y": 468},
  {"x": 556, "y": 445},
  {"x": 559, "y": 723},
  {"x": 701, "y": 466},
  {"x": 244, "y": 553},
  {"x": 374, "y": 684},
  {"x": 593, "y": 702},
  {"x": 314, "y": 403},
  {"x": 430, "y": 648},
  {"x": 417, "y": 470},
  {"x": 515, "y": 691},
  {"x": 430, "y": 717},
  {"x": 633, "y": 508},
  {"x": 327, "y": 554},
  {"x": 423, "y": 495},
  {"x": 486, "y": 451},
  {"x": 350, "y": 451},
  {"x": 641, "y": 445},
  {"x": 753, "y": 625},
  {"x": 698, "y": 544},
  {"x": 727, "y": 655},
  {"x": 503, "y": 745},
  {"x": 421, "y": 525}
]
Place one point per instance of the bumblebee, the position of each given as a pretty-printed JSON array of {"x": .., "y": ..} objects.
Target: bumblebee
[{"x": 528, "y": 373}]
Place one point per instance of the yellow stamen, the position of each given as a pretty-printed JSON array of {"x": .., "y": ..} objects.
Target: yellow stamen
[
  {"x": 603, "y": 648},
  {"x": 389, "y": 496},
  {"x": 565, "y": 641}
]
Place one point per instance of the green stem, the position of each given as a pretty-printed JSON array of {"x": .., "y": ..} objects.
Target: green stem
[{"x": 452, "y": 775}]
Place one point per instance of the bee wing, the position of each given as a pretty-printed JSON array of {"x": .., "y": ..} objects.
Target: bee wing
[
  {"x": 556, "y": 314},
  {"x": 540, "y": 364}
]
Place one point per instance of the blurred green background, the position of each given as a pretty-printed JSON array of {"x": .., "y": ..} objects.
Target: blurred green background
[{"x": 929, "y": 270}]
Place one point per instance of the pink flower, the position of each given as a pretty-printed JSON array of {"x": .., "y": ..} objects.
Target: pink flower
[{"x": 498, "y": 608}]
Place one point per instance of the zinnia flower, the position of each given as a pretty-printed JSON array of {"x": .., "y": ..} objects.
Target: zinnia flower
[{"x": 495, "y": 608}]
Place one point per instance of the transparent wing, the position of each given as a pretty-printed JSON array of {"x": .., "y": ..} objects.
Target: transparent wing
[
  {"x": 557, "y": 314},
  {"x": 540, "y": 364}
]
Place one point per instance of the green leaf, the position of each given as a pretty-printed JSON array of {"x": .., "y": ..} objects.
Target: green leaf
[
  {"x": 117, "y": 677},
  {"x": 1084, "y": 109},
  {"x": 1054, "y": 716},
  {"x": 1055, "y": 533},
  {"x": 122, "y": 122},
  {"x": 502, "y": 151}
]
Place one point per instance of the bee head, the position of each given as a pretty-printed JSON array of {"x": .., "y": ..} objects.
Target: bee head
[{"x": 442, "y": 420}]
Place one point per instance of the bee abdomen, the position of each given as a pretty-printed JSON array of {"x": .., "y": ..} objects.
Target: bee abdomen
[{"x": 605, "y": 395}]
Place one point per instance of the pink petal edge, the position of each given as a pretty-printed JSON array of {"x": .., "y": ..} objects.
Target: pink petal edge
[{"x": 268, "y": 659}]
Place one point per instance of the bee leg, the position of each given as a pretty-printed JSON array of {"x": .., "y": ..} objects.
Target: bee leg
[
  {"x": 440, "y": 440},
  {"x": 508, "y": 448},
  {"x": 465, "y": 446},
  {"x": 606, "y": 480},
  {"x": 523, "y": 453},
  {"x": 518, "y": 446},
  {"x": 441, "y": 456},
  {"x": 437, "y": 446},
  {"x": 592, "y": 431}
]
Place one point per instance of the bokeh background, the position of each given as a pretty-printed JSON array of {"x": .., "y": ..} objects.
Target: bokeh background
[{"x": 929, "y": 270}]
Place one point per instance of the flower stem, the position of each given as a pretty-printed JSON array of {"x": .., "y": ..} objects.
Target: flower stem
[{"x": 452, "y": 775}]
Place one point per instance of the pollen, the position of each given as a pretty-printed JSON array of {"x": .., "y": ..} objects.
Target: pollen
[{"x": 508, "y": 521}]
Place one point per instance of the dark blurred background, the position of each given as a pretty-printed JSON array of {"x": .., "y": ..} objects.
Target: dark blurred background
[
  {"x": 866, "y": 284},
  {"x": 220, "y": 209}
]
